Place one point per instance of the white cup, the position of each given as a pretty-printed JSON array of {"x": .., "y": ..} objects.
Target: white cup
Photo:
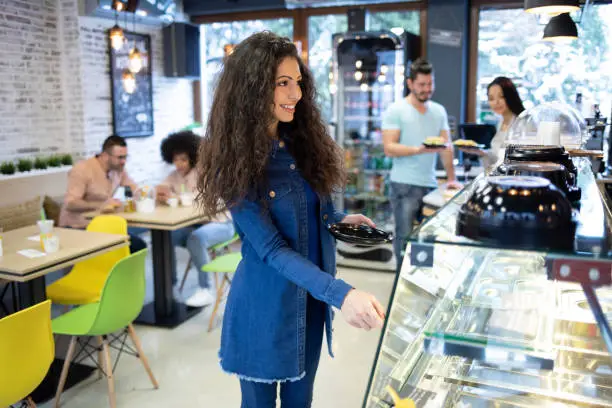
[
  {"x": 50, "y": 243},
  {"x": 146, "y": 205},
  {"x": 549, "y": 133},
  {"x": 186, "y": 199},
  {"x": 45, "y": 227},
  {"x": 173, "y": 202}
]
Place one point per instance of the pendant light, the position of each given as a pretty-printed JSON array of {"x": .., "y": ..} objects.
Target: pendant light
[
  {"x": 135, "y": 57},
  {"x": 561, "y": 28},
  {"x": 129, "y": 81},
  {"x": 551, "y": 7},
  {"x": 115, "y": 34}
]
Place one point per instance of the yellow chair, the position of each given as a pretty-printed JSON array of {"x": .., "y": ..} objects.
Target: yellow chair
[
  {"x": 84, "y": 283},
  {"x": 26, "y": 352}
]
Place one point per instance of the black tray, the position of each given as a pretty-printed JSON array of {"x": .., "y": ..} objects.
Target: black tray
[{"x": 359, "y": 234}]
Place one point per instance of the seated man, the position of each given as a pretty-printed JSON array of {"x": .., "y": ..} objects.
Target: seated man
[
  {"x": 92, "y": 184},
  {"x": 181, "y": 149}
]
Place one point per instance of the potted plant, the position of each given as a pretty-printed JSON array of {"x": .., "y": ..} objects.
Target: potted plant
[
  {"x": 7, "y": 168},
  {"x": 54, "y": 161},
  {"x": 24, "y": 165},
  {"x": 67, "y": 160},
  {"x": 40, "y": 163}
]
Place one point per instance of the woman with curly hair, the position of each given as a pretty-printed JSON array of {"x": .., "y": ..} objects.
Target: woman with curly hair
[
  {"x": 267, "y": 155},
  {"x": 181, "y": 149}
]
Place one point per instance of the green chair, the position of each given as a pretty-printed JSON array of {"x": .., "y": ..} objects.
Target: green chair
[
  {"x": 215, "y": 251},
  {"x": 224, "y": 264},
  {"x": 120, "y": 303}
]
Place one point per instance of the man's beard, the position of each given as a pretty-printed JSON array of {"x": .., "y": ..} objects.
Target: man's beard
[{"x": 423, "y": 99}]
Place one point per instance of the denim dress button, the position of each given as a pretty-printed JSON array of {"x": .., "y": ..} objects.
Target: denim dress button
[
  {"x": 325, "y": 217},
  {"x": 292, "y": 166},
  {"x": 281, "y": 144},
  {"x": 272, "y": 194}
]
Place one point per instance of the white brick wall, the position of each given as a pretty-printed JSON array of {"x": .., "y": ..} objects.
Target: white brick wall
[{"x": 55, "y": 86}]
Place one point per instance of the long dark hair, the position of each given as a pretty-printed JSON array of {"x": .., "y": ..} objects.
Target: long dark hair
[
  {"x": 511, "y": 95},
  {"x": 235, "y": 151}
]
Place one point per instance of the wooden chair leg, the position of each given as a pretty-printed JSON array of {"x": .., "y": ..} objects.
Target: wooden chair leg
[
  {"x": 64, "y": 375},
  {"x": 108, "y": 368},
  {"x": 187, "y": 269},
  {"x": 100, "y": 358},
  {"x": 141, "y": 355},
  {"x": 30, "y": 402},
  {"x": 217, "y": 302}
]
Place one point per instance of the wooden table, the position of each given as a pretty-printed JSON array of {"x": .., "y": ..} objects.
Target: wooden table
[
  {"x": 165, "y": 310},
  {"x": 75, "y": 246}
]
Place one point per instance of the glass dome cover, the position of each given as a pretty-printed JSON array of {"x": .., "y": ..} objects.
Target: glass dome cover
[{"x": 535, "y": 126}]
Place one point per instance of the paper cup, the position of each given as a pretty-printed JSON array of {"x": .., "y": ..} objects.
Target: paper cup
[
  {"x": 173, "y": 202},
  {"x": 549, "y": 133},
  {"x": 145, "y": 206},
  {"x": 186, "y": 199}
]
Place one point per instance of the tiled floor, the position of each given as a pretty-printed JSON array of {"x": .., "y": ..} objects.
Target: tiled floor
[{"x": 185, "y": 363}]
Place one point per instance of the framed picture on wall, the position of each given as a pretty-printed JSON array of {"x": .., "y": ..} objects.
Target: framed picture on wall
[{"x": 132, "y": 97}]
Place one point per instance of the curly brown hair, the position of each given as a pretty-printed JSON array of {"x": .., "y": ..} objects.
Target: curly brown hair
[{"x": 236, "y": 148}]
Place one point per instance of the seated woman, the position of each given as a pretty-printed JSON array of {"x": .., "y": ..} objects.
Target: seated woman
[
  {"x": 504, "y": 101},
  {"x": 181, "y": 149}
]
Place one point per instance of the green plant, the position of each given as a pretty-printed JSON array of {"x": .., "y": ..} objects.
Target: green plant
[
  {"x": 54, "y": 161},
  {"x": 7, "y": 168},
  {"x": 67, "y": 160},
  {"x": 24, "y": 165},
  {"x": 40, "y": 163}
]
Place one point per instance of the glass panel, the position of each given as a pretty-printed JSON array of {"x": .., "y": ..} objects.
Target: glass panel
[
  {"x": 320, "y": 31},
  {"x": 545, "y": 72},
  {"x": 215, "y": 36},
  {"x": 386, "y": 20}
]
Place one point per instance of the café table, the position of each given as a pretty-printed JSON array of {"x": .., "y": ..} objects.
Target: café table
[
  {"x": 165, "y": 310},
  {"x": 29, "y": 275}
]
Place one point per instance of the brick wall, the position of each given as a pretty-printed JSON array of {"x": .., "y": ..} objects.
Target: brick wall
[
  {"x": 55, "y": 86},
  {"x": 32, "y": 109}
]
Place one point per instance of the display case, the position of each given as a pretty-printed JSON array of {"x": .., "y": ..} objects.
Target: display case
[
  {"x": 367, "y": 76},
  {"x": 474, "y": 325}
]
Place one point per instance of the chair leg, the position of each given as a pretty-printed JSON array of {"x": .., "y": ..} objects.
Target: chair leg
[
  {"x": 217, "y": 302},
  {"x": 187, "y": 269},
  {"x": 100, "y": 358},
  {"x": 108, "y": 368},
  {"x": 141, "y": 355},
  {"x": 30, "y": 402},
  {"x": 64, "y": 375}
]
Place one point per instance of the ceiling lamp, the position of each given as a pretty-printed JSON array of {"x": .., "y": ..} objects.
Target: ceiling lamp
[
  {"x": 135, "y": 60},
  {"x": 116, "y": 37},
  {"x": 551, "y": 7},
  {"x": 129, "y": 81},
  {"x": 561, "y": 28}
]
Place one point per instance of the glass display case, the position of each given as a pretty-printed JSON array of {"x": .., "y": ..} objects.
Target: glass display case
[{"x": 474, "y": 325}]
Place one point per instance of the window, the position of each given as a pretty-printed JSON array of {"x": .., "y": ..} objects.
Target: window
[
  {"x": 216, "y": 35},
  {"x": 386, "y": 20},
  {"x": 545, "y": 72},
  {"x": 320, "y": 31}
]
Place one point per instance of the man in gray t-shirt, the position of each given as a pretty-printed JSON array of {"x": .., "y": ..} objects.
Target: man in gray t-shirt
[{"x": 406, "y": 124}]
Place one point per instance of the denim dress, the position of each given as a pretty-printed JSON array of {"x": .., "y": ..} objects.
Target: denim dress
[{"x": 263, "y": 337}]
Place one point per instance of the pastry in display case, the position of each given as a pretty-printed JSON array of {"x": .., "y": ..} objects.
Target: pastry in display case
[{"x": 487, "y": 321}]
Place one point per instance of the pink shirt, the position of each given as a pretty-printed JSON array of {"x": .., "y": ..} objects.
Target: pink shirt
[
  {"x": 175, "y": 180},
  {"x": 89, "y": 182}
]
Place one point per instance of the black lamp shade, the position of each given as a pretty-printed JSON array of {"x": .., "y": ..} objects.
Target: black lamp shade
[
  {"x": 561, "y": 27},
  {"x": 551, "y": 6}
]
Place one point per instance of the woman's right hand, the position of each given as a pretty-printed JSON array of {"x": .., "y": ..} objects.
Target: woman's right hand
[{"x": 362, "y": 310}]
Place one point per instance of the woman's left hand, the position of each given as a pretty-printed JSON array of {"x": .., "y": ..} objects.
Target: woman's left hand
[{"x": 358, "y": 219}]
